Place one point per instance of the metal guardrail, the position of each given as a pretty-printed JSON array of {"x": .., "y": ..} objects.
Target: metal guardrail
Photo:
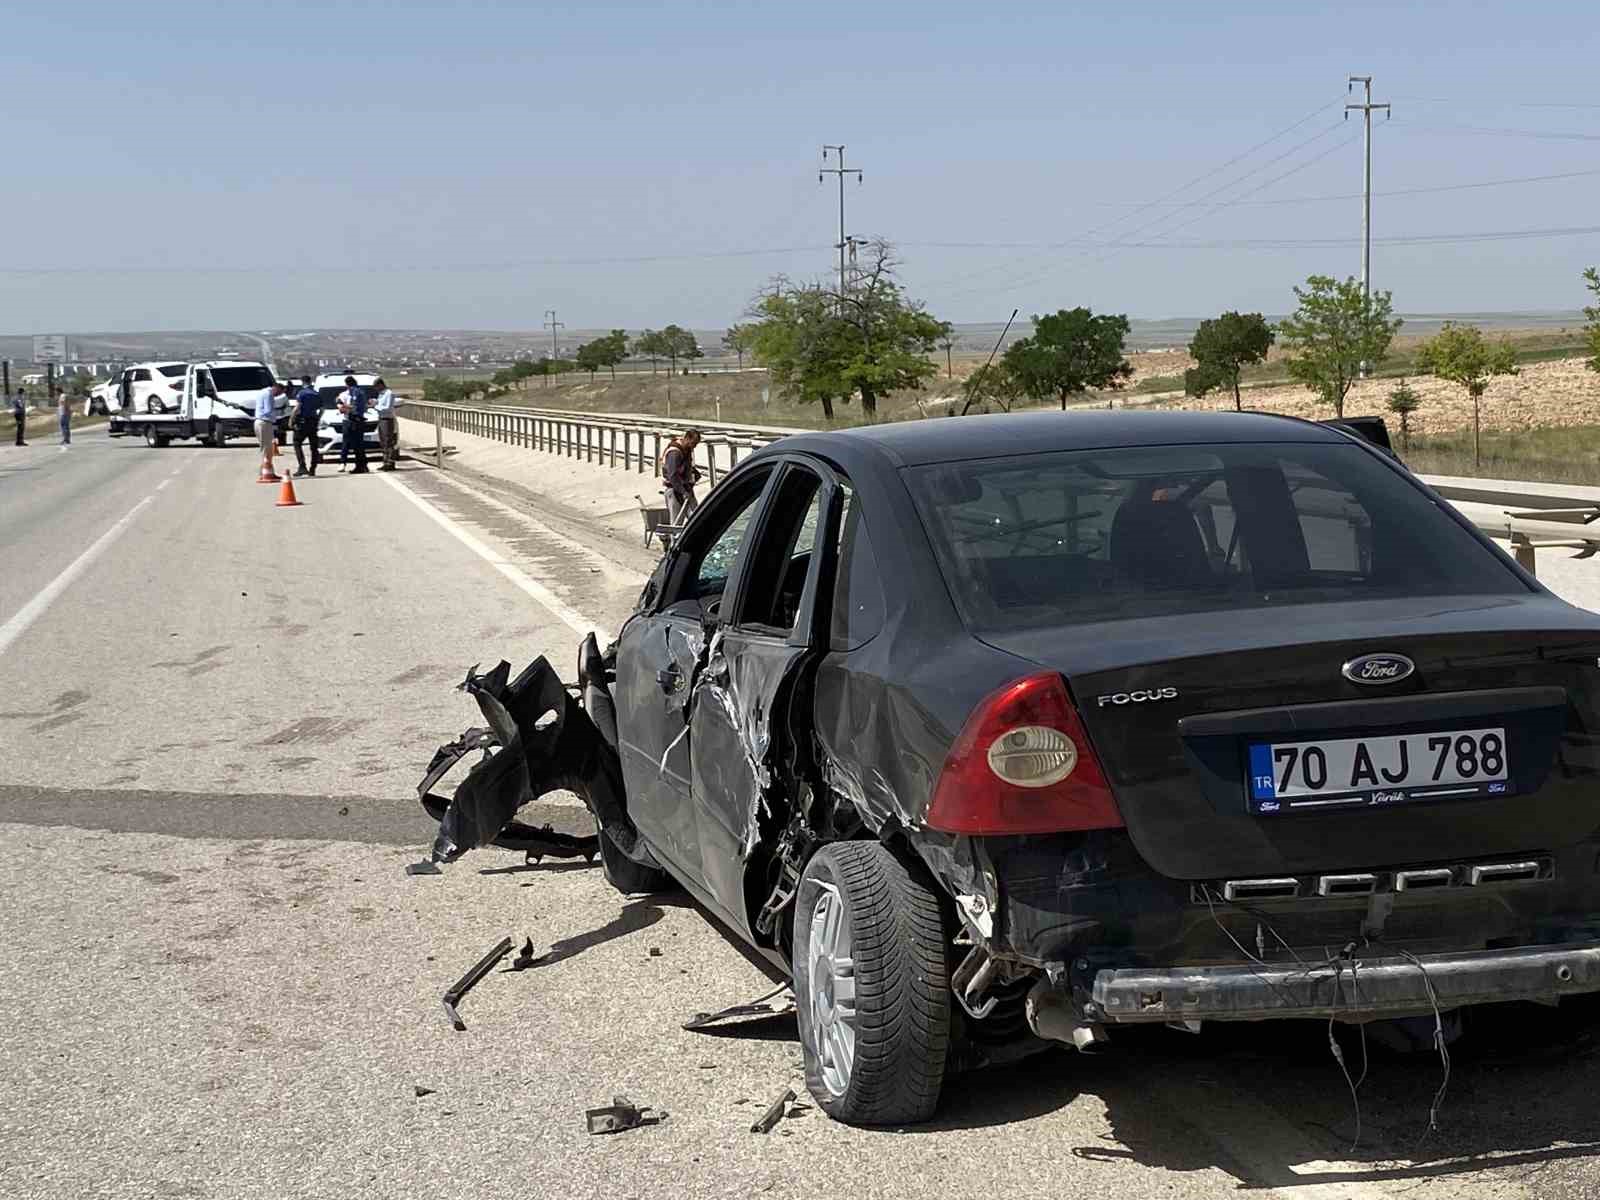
[
  {"x": 610, "y": 440},
  {"x": 1529, "y": 516}
]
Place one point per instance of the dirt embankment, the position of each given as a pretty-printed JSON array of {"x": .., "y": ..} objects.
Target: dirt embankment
[{"x": 1545, "y": 395}]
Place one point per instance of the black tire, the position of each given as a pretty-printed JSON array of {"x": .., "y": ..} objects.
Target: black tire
[
  {"x": 152, "y": 438},
  {"x": 629, "y": 877},
  {"x": 901, "y": 978}
]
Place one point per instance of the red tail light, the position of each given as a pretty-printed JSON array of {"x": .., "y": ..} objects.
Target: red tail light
[{"x": 1023, "y": 764}]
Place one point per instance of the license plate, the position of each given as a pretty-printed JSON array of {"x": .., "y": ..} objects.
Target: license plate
[{"x": 1334, "y": 773}]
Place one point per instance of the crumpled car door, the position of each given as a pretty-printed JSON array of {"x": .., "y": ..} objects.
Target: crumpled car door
[{"x": 738, "y": 718}]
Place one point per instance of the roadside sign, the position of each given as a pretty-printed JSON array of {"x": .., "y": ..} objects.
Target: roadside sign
[{"x": 49, "y": 347}]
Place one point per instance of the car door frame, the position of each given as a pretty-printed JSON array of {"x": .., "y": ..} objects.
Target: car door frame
[
  {"x": 660, "y": 649},
  {"x": 747, "y": 677}
]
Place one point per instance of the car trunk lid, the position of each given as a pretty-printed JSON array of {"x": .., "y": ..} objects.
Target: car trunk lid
[{"x": 1177, "y": 706}]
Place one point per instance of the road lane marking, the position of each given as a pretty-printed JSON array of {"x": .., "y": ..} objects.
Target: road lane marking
[
  {"x": 547, "y": 599},
  {"x": 164, "y": 483},
  {"x": 35, "y": 608}
]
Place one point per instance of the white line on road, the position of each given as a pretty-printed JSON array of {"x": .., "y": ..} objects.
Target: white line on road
[
  {"x": 164, "y": 483},
  {"x": 568, "y": 616},
  {"x": 607, "y": 566},
  {"x": 35, "y": 608}
]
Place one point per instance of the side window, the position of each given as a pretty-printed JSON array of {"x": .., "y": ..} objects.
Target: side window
[
  {"x": 781, "y": 559},
  {"x": 141, "y": 376},
  {"x": 712, "y": 539},
  {"x": 858, "y": 605}
]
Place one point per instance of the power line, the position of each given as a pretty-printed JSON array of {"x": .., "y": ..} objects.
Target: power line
[
  {"x": 1178, "y": 191},
  {"x": 1537, "y": 134},
  {"x": 1416, "y": 191}
]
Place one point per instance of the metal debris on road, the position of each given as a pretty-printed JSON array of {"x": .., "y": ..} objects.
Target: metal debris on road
[
  {"x": 468, "y": 981},
  {"x": 620, "y": 1116},
  {"x": 759, "y": 1007},
  {"x": 774, "y": 1114},
  {"x": 422, "y": 1091},
  {"x": 526, "y": 957},
  {"x": 423, "y": 868}
]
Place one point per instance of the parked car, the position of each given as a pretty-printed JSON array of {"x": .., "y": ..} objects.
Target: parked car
[
  {"x": 330, "y": 424},
  {"x": 101, "y": 399},
  {"x": 1016, "y": 729}
]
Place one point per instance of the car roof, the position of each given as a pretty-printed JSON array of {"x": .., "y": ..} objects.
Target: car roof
[
  {"x": 173, "y": 362},
  {"x": 228, "y": 362},
  {"x": 948, "y": 439},
  {"x": 338, "y": 377}
]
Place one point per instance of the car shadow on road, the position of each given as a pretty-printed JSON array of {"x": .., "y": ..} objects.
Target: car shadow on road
[
  {"x": 1520, "y": 1098},
  {"x": 636, "y": 915},
  {"x": 553, "y": 866}
]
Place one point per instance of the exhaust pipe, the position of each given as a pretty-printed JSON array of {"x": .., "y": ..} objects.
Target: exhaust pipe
[{"x": 1055, "y": 1018}]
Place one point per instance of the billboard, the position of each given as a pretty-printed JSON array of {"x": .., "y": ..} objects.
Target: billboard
[{"x": 49, "y": 347}]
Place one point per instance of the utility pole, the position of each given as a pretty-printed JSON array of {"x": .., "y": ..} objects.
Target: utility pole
[
  {"x": 552, "y": 325},
  {"x": 1365, "y": 108},
  {"x": 841, "y": 171}
]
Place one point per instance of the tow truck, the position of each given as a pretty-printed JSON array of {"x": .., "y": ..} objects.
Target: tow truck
[{"x": 213, "y": 401}]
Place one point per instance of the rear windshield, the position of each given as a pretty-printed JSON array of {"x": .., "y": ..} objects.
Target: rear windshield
[
  {"x": 240, "y": 379},
  {"x": 1092, "y": 535},
  {"x": 175, "y": 370}
]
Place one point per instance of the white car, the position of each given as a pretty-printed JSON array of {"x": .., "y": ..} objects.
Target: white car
[
  {"x": 102, "y": 398},
  {"x": 330, "y": 425},
  {"x": 151, "y": 387}
]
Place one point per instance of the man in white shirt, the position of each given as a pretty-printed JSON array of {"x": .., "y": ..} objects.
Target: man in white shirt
[
  {"x": 388, "y": 426},
  {"x": 266, "y": 427}
]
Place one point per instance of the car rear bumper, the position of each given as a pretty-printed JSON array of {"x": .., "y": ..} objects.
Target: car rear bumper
[{"x": 1358, "y": 988}]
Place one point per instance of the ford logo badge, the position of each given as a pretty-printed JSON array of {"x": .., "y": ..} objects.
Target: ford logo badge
[{"x": 1378, "y": 668}]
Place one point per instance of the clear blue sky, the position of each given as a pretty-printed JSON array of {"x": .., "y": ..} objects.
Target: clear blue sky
[{"x": 469, "y": 165}]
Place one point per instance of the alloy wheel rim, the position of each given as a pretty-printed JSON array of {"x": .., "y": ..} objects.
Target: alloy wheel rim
[{"x": 832, "y": 975}]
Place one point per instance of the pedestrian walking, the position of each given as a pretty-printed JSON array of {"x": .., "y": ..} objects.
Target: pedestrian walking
[
  {"x": 353, "y": 403},
  {"x": 679, "y": 475},
  {"x": 267, "y": 427},
  {"x": 19, "y": 413},
  {"x": 307, "y": 423},
  {"x": 64, "y": 417},
  {"x": 388, "y": 426}
]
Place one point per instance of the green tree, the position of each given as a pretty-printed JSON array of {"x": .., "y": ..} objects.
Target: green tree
[
  {"x": 677, "y": 343},
  {"x": 739, "y": 338},
  {"x": 1333, "y": 331},
  {"x": 591, "y": 356},
  {"x": 797, "y": 336},
  {"x": 991, "y": 383},
  {"x": 1070, "y": 351},
  {"x": 1221, "y": 348},
  {"x": 1591, "y": 314},
  {"x": 650, "y": 344},
  {"x": 1460, "y": 354},
  {"x": 1404, "y": 401},
  {"x": 613, "y": 349},
  {"x": 887, "y": 338}
]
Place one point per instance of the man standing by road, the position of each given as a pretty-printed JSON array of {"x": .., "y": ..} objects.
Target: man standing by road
[
  {"x": 353, "y": 403},
  {"x": 19, "y": 413},
  {"x": 388, "y": 426},
  {"x": 267, "y": 427},
  {"x": 679, "y": 475},
  {"x": 64, "y": 417},
  {"x": 307, "y": 417}
]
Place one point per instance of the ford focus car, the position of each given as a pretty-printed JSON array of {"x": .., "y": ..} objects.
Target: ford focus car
[{"x": 993, "y": 732}]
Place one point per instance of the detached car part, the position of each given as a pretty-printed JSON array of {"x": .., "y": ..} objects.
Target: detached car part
[{"x": 539, "y": 739}]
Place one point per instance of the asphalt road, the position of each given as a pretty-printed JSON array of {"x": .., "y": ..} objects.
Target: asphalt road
[{"x": 220, "y": 983}]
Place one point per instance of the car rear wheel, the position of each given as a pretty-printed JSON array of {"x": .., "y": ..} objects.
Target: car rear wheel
[
  {"x": 153, "y": 405},
  {"x": 629, "y": 877},
  {"x": 872, "y": 986},
  {"x": 152, "y": 438}
]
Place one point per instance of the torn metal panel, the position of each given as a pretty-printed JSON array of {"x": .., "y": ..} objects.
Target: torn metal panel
[{"x": 539, "y": 740}]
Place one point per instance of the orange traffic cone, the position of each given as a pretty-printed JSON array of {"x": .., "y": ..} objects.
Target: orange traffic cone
[
  {"x": 268, "y": 475},
  {"x": 286, "y": 496}
]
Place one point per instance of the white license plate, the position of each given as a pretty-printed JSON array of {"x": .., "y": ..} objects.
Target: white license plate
[{"x": 1332, "y": 773}]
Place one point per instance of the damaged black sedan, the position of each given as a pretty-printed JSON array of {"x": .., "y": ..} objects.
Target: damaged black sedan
[{"x": 1010, "y": 730}]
